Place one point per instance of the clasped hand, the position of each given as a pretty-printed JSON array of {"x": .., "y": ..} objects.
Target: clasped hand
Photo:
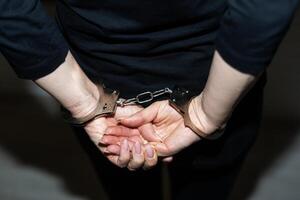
[{"x": 136, "y": 137}]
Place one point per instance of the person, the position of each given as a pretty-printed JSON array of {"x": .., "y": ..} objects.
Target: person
[{"x": 218, "y": 50}]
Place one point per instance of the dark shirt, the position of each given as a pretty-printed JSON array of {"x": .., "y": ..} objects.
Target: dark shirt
[{"x": 135, "y": 45}]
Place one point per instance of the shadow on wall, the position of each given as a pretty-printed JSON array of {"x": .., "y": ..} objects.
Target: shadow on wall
[
  {"x": 281, "y": 121},
  {"x": 276, "y": 137},
  {"x": 38, "y": 140}
]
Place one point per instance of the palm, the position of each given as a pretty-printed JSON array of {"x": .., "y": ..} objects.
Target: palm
[
  {"x": 166, "y": 121},
  {"x": 169, "y": 125},
  {"x": 97, "y": 128}
]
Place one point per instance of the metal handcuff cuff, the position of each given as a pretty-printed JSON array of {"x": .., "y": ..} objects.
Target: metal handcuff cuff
[{"x": 179, "y": 99}]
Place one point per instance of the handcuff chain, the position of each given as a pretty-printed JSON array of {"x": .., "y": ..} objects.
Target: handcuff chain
[{"x": 144, "y": 97}]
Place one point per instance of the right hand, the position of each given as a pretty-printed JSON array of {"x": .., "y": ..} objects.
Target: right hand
[
  {"x": 166, "y": 123},
  {"x": 132, "y": 147}
]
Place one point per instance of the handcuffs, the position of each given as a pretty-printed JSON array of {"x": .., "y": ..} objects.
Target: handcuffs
[{"x": 179, "y": 99}]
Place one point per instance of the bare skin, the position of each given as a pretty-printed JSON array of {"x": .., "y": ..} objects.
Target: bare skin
[
  {"x": 75, "y": 91},
  {"x": 210, "y": 110},
  {"x": 135, "y": 137}
]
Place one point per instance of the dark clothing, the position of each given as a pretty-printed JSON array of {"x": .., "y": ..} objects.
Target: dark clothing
[
  {"x": 30, "y": 39},
  {"x": 134, "y": 46},
  {"x": 141, "y": 42}
]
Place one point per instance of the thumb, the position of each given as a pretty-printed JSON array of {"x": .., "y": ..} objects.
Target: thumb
[
  {"x": 162, "y": 149},
  {"x": 142, "y": 117}
]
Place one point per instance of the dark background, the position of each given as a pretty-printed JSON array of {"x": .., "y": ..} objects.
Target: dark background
[{"x": 40, "y": 159}]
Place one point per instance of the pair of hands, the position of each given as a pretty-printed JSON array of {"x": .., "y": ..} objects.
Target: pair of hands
[
  {"x": 157, "y": 130},
  {"x": 136, "y": 137}
]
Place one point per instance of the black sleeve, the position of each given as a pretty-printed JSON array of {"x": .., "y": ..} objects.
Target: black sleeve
[
  {"x": 30, "y": 39},
  {"x": 251, "y": 31}
]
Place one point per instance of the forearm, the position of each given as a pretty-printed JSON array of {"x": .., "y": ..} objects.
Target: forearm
[
  {"x": 69, "y": 85},
  {"x": 225, "y": 87},
  {"x": 247, "y": 40}
]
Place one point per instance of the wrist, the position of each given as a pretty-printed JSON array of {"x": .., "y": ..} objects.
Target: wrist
[
  {"x": 201, "y": 119},
  {"x": 70, "y": 86},
  {"x": 83, "y": 94},
  {"x": 85, "y": 104},
  {"x": 84, "y": 113}
]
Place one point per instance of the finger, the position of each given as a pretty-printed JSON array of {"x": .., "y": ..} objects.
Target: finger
[
  {"x": 109, "y": 139},
  {"x": 123, "y": 112},
  {"x": 138, "y": 159},
  {"x": 130, "y": 145},
  {"x": 150, "y": 157},
  {"x": 162, "y": 149},
  {"x": 121, "y": 131},
  {"x": 144, "y": 116},
  {"x": 114, "y": 149},
  {"x": 148, "y": 133},
  {"x": 178, "y": 140},
  {"x": 104, "y": 150},
  {"x": 139, "y": 139},
  {"x": 113, "y": 159},
  {"x": 96, "y": 129},
  {"x": 124, "y": 154}
]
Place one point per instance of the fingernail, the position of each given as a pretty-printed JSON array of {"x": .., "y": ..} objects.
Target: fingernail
[
  {"x": 137, "y": 147},
  {"x": 149, "y": 151}
]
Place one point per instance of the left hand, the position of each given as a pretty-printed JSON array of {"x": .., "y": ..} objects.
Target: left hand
[
  {"x": 126, "y": 142},
  {"x": 166, "y": 122}
]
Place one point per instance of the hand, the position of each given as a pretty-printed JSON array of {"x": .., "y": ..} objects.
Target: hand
[
  {"x": 70, "y": 86},
  {"x": 166, "y": 122},
  {"x": 126, "y": 142}
]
